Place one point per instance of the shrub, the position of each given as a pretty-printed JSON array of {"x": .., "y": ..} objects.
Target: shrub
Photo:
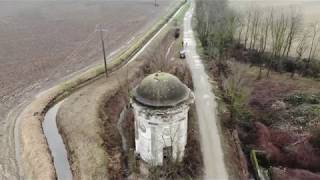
[
  {"x": 313, "y": 70},
  {"x": 300, "y": 98},
  {"x": 236, "y": 94},
  {"x": 315, "y": 139}
]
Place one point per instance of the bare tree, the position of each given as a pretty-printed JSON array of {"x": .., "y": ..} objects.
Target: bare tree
[
  {"x": 231, "y": 25},
  {"x": 254, "y": 28},
  {"x": 264, "y": 37},
  {"x": 279, "y": 27},
  {"x": 301, "y": 48},
  {"x": 302, "y": 45},
  {"x": 314, "y": 43},
  {"x": 248, "y": 22},
  {"x": 241, "y": 26},
  {"x": 202, "y": 22},
  {"x": 159, "y": 55},
  {"x": 216, "y": 27},
  {"x": 294, "y": 25},
  {"x": 234, "y": 87}
]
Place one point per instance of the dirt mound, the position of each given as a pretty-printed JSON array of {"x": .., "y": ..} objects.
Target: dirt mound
[{"x": 287, "y": 149}]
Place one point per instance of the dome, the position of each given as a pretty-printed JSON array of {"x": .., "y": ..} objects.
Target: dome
[{"x": 161, "y": 90}]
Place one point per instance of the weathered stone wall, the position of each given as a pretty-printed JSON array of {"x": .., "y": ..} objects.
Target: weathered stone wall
[{"x": 157, "y": 129}]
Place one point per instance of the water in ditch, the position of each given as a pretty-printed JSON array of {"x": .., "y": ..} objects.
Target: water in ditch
[
  {"x": 56, "y": 144},
  {"x": 123, "y": 117}
]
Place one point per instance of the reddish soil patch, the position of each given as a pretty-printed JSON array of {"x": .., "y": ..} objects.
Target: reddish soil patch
[
  {"x": 288, "y": 149},
  {"x": 285, "y": 149},
  {"x": 264, "y": 94}
]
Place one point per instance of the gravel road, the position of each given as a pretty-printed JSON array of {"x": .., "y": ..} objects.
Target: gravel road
[{"x": 206, "y": 105}]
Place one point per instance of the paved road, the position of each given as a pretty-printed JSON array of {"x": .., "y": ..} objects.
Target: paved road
[{"x": 206, "y": 108}]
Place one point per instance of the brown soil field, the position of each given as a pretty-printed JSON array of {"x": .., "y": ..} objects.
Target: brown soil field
[{"x": 44, "y": 42}]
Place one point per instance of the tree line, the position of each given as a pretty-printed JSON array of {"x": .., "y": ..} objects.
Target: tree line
[
  {"x": 275, "y": 39},
  {"x": 216, "y": 27}
]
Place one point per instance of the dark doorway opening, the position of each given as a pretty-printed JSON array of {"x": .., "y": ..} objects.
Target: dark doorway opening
[{"x": 167, "y": 155}]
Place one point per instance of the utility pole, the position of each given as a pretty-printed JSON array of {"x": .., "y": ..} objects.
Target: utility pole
[{"x": 104, "y": 52}]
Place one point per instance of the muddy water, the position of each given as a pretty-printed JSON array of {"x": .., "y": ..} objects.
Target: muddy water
[
  {"x": 56, "y": 144},
  {"x": 123, "y": 117}
]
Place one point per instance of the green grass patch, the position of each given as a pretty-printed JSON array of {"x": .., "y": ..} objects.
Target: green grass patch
[{"x": 179, "y": 18}]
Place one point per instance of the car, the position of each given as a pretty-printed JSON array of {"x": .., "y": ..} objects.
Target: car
[
  {"x": 182, "y": 54},
  {"x": 177, "y": 33}
]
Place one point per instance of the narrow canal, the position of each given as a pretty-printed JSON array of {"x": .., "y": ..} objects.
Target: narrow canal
[{"x": 56, "y": 145}]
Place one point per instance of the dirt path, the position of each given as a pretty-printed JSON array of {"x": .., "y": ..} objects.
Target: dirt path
[{"x": 206, "y": 107}]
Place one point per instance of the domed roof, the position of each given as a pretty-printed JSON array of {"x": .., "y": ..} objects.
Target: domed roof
[{"x": 161, "y": 90}]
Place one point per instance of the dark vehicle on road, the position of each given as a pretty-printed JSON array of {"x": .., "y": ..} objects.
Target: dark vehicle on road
[{"x": 177, "y": 33}]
